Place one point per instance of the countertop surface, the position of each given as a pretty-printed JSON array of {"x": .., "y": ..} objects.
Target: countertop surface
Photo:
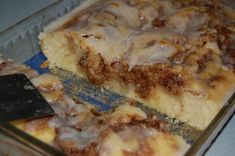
[{"x": 12, "y": 11}]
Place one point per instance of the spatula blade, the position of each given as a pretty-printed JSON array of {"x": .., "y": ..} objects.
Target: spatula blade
[{"x": 19, "y": 99}]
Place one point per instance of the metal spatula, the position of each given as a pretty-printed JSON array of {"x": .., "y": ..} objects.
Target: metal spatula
[{"x": 19, "y": 99}]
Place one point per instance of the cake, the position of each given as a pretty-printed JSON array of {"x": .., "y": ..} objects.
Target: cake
[{"x": 173, "y": 56}]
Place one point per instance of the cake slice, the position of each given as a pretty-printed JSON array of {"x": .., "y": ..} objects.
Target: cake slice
[{"x": 173, "y": 56}]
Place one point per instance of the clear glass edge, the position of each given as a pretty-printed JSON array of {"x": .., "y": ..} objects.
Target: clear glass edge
[
  {"x": 205, "y": 140},
  {"x": 29, "y": 141},
  {"x": 198, "y": 148}
]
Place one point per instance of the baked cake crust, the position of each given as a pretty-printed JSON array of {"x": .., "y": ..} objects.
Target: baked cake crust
[{"x": 173, "y": 56}]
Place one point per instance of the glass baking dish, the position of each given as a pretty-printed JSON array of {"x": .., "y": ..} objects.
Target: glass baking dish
[{"x": 20, "y": 43}]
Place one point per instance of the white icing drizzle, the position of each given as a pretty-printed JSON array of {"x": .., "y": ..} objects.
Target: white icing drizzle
[
  {"x": 187, "y": 19},
  {"x": 119, "y": 30}
]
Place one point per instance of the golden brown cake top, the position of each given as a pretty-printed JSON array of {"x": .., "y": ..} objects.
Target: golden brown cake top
[
  {"x": 181, "y": 46},
  {"x": 149, "y": 32}
]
